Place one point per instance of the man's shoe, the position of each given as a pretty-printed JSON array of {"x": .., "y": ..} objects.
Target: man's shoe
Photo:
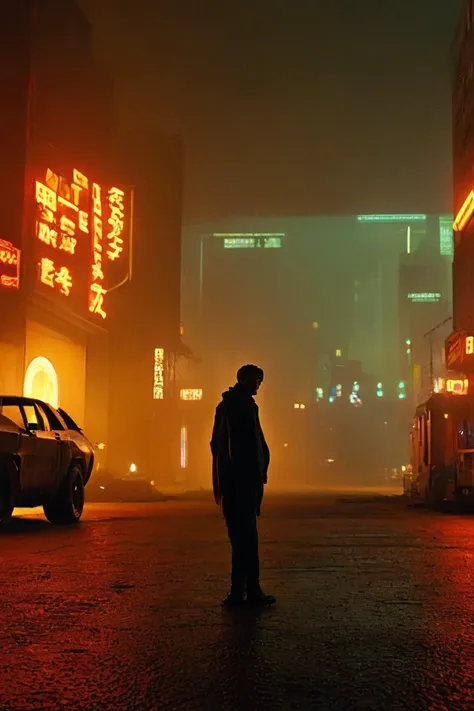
[
  {"x": 260, "y": 598},
  {"x": 233, "y": 600}
]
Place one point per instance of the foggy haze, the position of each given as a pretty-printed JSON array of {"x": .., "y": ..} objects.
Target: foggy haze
[
  {"x": 291, "y": 108},
  {"x": 298, "y": 118}
]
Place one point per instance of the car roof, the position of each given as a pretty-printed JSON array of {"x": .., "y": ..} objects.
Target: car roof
[{"x": 23, "y": 399}]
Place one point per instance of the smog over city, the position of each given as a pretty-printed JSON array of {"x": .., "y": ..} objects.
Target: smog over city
[
  {"x": 316, "y": 213},
  {"x": 236, "y": 304}
]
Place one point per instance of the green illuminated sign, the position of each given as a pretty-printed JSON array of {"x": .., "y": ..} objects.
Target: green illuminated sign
[
  {"x": 251, "y": 241},
  {"x": 446, "y": 247},
  {"x": 424, "y": 297},
  {"x": 391, "y": 218}
]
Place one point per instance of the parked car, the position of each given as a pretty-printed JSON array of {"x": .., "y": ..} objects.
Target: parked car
[{"x": 45, "y": 460}]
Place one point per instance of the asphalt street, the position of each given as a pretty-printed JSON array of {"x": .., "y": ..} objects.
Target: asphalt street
[{"x": 375, "y": 609}]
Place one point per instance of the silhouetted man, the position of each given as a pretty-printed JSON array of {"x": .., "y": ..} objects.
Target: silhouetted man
[{"x": 239, "y": 472}]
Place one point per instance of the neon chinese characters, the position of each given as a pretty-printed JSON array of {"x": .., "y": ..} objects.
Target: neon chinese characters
[
  {"x": 81, "y": 226},
  {"x": 158, "y": 374},
  {"x": 9, "y": 265}
]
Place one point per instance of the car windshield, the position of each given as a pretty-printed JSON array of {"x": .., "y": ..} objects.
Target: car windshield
[{"x": 70, "y": 424}]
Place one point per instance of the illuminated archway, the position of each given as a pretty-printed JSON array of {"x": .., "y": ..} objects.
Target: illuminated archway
[{"x": 41, "y": 381}]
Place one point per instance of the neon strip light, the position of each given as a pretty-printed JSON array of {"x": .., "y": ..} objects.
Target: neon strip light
[
  {"x": 391, "y": 218},
  {"x": 249, "y": 234},
  {"x": 465, "y": 213}
]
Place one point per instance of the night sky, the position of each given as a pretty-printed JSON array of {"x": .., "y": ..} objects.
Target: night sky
[{"x": 303, "y": 107}]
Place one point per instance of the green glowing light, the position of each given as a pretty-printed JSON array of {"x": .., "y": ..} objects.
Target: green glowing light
[
  {"x": 391, "y": 218},
  {"x": 424, "y": 297}
]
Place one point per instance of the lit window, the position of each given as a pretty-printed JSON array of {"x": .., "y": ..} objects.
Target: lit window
[{"x": 191, "y": 394}]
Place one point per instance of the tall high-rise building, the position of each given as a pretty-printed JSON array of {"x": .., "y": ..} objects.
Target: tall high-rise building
[
  {"x": 338, "y": 272},
  {"x": 463, "y": 171}
]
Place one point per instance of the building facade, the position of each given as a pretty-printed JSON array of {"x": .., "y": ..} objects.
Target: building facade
[
  {"x": 89, "y": 245},
  {"x": 59, "y": 195},
  {"x": 463, "y": 170}
]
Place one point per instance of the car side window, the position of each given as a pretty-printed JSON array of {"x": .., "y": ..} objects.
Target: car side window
[
  {"x": 54, "y": 423},
  {"x": 14, "y": 414},
  {"x": 44, "y": 417},
  {"x": 33, "y": 419}
]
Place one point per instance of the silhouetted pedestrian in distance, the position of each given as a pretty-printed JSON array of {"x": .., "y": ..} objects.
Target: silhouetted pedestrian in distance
[{"x": 239, "y": 471}]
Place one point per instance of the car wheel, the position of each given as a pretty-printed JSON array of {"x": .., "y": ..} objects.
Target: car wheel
[
  {"x": 68, "y": 504},
  {"x": 6, "y": 503}
]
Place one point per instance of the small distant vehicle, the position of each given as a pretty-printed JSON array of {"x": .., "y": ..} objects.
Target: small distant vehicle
[
  {"x": 45, "y": 460},
  {"x": 441, "y": 470}
]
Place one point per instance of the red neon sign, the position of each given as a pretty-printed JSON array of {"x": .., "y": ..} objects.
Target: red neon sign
[
  {"x": 9, "y": 265},
  {"x": 79, "y": 217}
]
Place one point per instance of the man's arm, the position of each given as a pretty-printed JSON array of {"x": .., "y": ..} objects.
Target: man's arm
[
  {"x": 216, "y": 430},
  {"x": 216, "y": 434},
  {"x": 266, "y": 452}
]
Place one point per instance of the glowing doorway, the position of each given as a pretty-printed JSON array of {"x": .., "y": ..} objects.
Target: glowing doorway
[{"x": 41, "y": 381}]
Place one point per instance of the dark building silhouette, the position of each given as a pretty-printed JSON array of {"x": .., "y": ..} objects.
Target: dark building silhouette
[
  {"x": 144, "y": 407},
  {"x": 463, "y": 171}
]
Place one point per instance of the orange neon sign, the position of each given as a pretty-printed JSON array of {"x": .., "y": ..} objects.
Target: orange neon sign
[
  {"x": 116, "y": 222},
  {"x": 9, "y": 265},
  {"x": 465, "y": 213},
  {"x": 457, "y": 386},
  {"x": 79, "y": 221},
  {"x": 469, "y": 345}
]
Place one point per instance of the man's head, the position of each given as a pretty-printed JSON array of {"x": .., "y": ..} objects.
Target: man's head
[{"x": 250, "y": 377}]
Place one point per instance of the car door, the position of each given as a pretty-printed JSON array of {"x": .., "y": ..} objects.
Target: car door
[
  {"x": 47, "y": 448},
  {"x": 81, "y": 444},
  {"x": 61, "y": 436},
  {"x": 11, "y": 409}
]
